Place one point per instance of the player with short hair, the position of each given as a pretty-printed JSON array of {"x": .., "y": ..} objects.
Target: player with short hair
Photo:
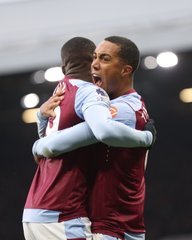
[{"x": 59, "y": 187}]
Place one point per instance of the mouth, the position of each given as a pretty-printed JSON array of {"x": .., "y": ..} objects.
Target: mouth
[{"x": 97, "y": 80}]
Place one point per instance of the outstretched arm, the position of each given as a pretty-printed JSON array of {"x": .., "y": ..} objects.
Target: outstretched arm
[
  {"x": 64, "y": 141},
  {"x": 81, "y": 135},
  {"x": 99, "y": 126},
  {"x": 114, "y": 133}
]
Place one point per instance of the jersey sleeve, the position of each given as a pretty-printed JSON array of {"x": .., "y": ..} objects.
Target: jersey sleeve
[
  {"x": 114, "y": 133},
  {"x": 41, "y": 124},
  {"x": 89, "y": 96},
  {"x": 99, "y": 126},
  {"x": 81, "y": 135},
  {"x": 64, "y": 141},
  {"x": 94, "y": 109}
]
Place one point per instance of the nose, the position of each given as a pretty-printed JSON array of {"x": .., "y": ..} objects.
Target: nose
[{"x": 95, "y": 63}]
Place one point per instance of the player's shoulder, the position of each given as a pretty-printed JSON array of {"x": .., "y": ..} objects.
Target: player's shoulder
[
  {"x": 92, "y": 89},
  {"x": 78, "y": 82},
  {"x": 131, "y": 100}
]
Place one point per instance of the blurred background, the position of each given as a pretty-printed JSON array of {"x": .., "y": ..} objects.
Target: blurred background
[{"x": 31, "y": 35}]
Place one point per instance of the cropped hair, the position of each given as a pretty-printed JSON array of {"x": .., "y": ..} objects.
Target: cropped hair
[
  {"x": 77, "y": 48},
  {"x": 129, "y": 52}
]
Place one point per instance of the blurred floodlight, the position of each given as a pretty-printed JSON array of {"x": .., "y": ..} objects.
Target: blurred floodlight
[
  {"x": 29, "y": 115},
  {"x": 186, "y": 95},
  {"x": 30, "y": 100},
  {"x": 54, "y": 74},
  {"x": 150, "y": 62},
  {"x": 167, "y": 59},
  {"x": 38, "y": 77}
]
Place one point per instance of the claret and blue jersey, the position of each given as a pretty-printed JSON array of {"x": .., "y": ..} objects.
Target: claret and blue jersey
[{"x": 61, "y": 185}]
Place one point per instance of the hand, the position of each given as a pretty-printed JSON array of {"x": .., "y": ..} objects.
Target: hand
[
  {"x": 47, "y": 108},
  {"x": 150, "y": 126}
]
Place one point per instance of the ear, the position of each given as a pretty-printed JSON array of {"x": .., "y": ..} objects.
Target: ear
[{"x": 126, "y": 70}]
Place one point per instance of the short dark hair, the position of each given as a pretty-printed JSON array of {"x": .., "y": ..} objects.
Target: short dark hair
[
  {"x": 77, "y": 48},
  {"x": 129, "y": 52}
]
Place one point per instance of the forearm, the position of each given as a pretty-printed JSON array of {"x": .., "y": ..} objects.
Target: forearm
[
  {"x": 64, "y": 141},
  {"x": 105, "y": 129},
  {"x": 41, "y": 124},
  {"x": 114, "y": 133}
]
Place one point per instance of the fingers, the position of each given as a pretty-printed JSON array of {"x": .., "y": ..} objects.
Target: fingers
[
  {"x": 56, "y": 98},
  {"x": 52, "y": 114},
  {"x": 53, "y": 101},
  {"x": 60, "y": 90},
  {"x": 47, "y": 108}
]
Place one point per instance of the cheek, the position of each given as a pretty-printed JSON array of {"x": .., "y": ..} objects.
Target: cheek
[
  {"x": 104, "y": 85},
  {"x": 110, "y": 79},
  {"x": 108, "y": 85}
]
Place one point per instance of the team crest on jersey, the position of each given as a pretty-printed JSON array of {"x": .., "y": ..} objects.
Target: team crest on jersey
[
  {"x": 102, "y": 95},
  {"x": 113, "y": 111}
]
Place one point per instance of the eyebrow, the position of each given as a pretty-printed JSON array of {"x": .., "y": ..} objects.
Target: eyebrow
[{"x": 102, "y": 54}]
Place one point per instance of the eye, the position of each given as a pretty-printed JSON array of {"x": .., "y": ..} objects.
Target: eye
[
  {"x": 94, "y": 56},
  {"x": 106, "y": 58}
]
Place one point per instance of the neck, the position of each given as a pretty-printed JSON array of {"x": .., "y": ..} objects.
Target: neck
[
  {"x": 80, "y": 74},
  {"x": 122, "y": 90}
]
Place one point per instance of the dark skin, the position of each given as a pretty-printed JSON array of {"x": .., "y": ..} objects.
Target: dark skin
[
  {"x": 47, "y": 108},
  {"x": 103, "y": 59},
  {"x": 114, "y": 75},
  {"x": 72, "y": 67},
  {"x": 79, "y": 68}
]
